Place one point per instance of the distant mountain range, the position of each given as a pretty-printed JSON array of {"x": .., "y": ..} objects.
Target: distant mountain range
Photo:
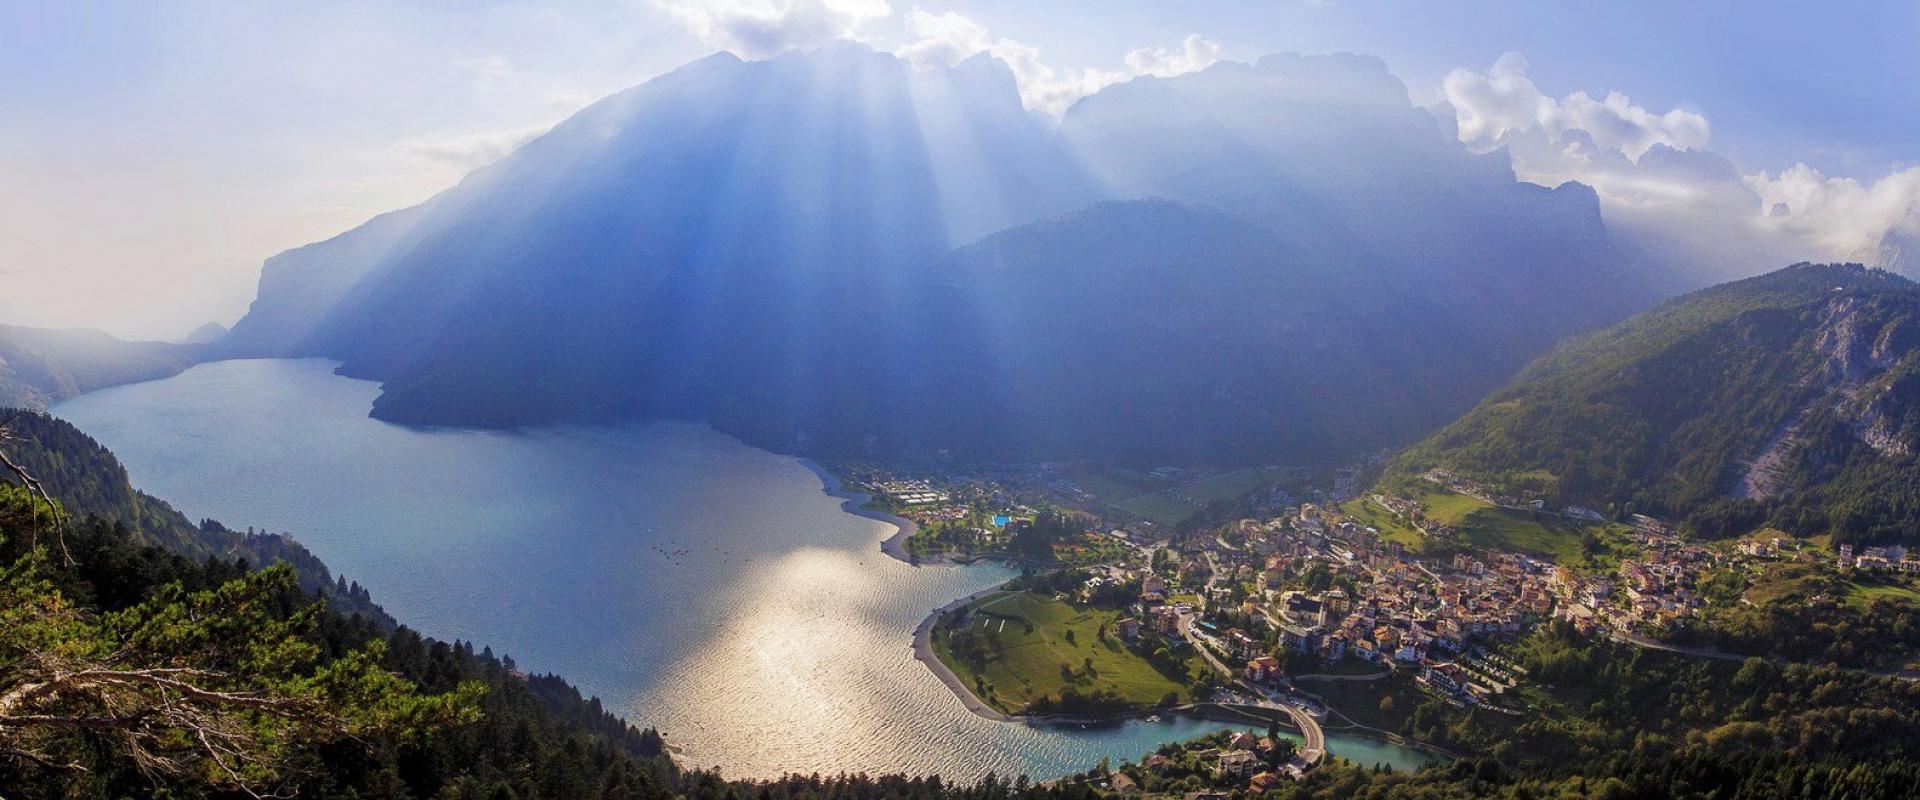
[
  {"x": 39, "y": 367},
  {"x": 1791, "y": 399},
  {"x": 832, "y": 252}
]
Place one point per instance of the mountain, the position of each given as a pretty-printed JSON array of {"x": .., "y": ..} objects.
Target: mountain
[
  {"x": 39, "y": 366},
  {"x": 1791, "y": 399},
  {"x": 1153, "y": 330},
  {"x": 205, "y": 334},
  {"x": 831, "y": 251}
]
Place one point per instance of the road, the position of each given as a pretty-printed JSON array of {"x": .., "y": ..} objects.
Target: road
[
  {"x": 1312, "y": 751},
  {"x": 1327, "y": 676}
]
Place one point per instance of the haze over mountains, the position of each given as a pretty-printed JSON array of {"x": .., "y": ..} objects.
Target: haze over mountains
[
  {"x": 39, "y": 366},
  {"x": 1257, "y": 259}
]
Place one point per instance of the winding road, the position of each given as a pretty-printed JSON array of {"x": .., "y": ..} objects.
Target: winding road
[{"x": 1313, "y": 750}]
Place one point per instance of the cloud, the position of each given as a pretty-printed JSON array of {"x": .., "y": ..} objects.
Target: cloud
[
  {"x": 762, "y": 28},
  {"x": 472, "y": 150},
  {"x": 1044, "y": 89},
  {"x": 1195, "y": 54},
  {"x": 1662, "y": 189},
  {"x": 939, "y": 40},
  {"x": 1843, "y": 216},
  {"x": 485, "y": 73},
  {"x": 1504, "y": 100}
]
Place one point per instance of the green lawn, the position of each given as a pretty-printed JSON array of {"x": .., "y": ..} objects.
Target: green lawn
[
  {"x": 1787, "y": 580},
  {"x": 1026, "y": 642}
]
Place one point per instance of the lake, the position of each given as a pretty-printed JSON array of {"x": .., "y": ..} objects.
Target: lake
[{"x": 694, "y": 583}]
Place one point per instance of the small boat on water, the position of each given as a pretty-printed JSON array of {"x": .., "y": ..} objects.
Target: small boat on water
[{"x": 1154, "y": 718}]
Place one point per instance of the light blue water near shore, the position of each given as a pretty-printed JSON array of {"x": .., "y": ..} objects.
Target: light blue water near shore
[{"x": 692, "y": 582}]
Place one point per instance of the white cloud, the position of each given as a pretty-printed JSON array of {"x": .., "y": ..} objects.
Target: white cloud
[
  {"x": 1844, "y": 217},
  {"x": 472, "y": 150},
  {"x": 1044, "y": 89},
  {"x": 762, "y": 28},
  {"x": 1195, "y": 54},
  {"x": 1504, "y": 100},
  {"x": 939, "y": 40},
  {"x": 1660, "y": 184},
  {"x": 485, "y": 73}
]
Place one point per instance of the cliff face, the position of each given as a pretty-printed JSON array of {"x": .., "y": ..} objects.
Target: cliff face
[
  {"x": 1859, "y": 349},
  {"x": 1791, "y": 399},
  {"x": 301, "y": 288}
]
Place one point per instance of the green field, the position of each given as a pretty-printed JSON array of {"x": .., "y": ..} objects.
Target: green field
[
  {"x": 1391, "y": 526},
  {"x": 1029, "y": 655},
  {"x": 1233, "y": 485},
  {"x": 1107, "y": 488},
  {"x": 1161, "y": 508},
  {"x": 1803, "y": 581},
  {"x": 1448, "y": 508},
  {"x": 1861, "y": 593},
  {"x": 1487, "y": 526},
  {"x": 1168, "y": 509}
]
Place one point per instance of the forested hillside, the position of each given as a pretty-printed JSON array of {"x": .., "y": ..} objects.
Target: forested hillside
[
  {"x": 90, "y": 482},
  {"x": 126, "y": 669},
  {"x": 1791, "y": 399}
]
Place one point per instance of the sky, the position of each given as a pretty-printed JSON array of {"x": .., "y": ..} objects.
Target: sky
[{"x": 152, "y": 155}]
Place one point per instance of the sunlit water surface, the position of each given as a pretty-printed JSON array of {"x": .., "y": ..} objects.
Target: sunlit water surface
[{"x": 692, "y": 582}]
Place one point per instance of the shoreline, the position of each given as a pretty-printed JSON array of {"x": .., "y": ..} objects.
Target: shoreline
[
  {"x": 894, "y": 547},
  {"x": 923, "y": 651},
  {"x": 855, "y": 503}
]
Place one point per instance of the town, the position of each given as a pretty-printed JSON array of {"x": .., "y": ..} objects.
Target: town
[{"x": 1347, "y": 585}]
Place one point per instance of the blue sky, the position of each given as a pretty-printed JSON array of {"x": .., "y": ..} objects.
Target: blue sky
[{"x": 154, "y": 154}]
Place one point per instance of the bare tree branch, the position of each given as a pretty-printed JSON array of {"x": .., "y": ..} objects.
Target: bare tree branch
[{"x": 36, "y": 489}]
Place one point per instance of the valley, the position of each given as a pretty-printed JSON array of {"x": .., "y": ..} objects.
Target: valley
[
  {"x": 817, "y": 638},
  {"x": 850, "y": 400}
]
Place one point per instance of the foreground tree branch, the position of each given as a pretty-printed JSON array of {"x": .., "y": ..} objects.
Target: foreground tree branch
[
  {"x": 37, "y": 489},
  {"x": 218, "y": 687}
]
